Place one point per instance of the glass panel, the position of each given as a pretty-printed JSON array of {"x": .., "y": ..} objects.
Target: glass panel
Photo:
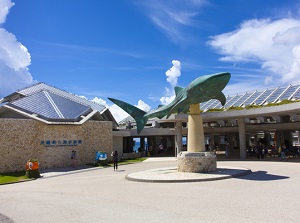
[
  {"x": 275, "y": 94},
  {"x": 231, "y": 102},
  {"x": 297, "y": 95},
  {"x": 252, "y": 98},
  {"x": 242, "y": 99},
  {"x": 288, "y": 93},
  {"x": 263, "y": 96}
]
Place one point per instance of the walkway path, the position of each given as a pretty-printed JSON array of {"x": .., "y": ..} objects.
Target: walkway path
[{"x": 102, "y": 195}]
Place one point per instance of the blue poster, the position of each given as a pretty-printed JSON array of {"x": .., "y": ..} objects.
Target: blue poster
[{"x": 101, "y": 155}]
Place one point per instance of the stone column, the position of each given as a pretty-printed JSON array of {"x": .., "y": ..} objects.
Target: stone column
[
  {"x": 178, "y": 137},
  {"x": 195, "y": 130},
  {"x": 242, "y": 138},
  {"x": 195, "y": 159}
]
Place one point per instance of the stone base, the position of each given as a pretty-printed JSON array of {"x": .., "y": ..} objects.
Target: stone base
[{"x": 196, "y": 162}]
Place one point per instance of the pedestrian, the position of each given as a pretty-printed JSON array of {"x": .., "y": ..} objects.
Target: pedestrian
[
  {"x": 115, "y": 160},
  {"x": 227, "y": 150},
  {"x": 260, "y": 151},
  {"x": 73, "y": 158},
  {"x": 282, "y": 154}
]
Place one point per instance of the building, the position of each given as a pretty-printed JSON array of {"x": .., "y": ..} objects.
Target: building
[
  {"x": 270, "y": 116},
  {"x": 47, "y": 123}
]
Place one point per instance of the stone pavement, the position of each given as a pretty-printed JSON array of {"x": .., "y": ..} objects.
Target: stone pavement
[
  {"x": 103, "y": 195},
  {"x": 5, "y": 219},
  {"x": 171, "y": 175},
  {"x": 160, "y": 175}
]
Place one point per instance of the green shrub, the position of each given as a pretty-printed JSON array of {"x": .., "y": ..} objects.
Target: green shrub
[
  {"x": 235, "y": 108},
  {"x": 33, "y": 173},
  {"x": 252, "y": 106},
  {"x": 215, "y": 110}
]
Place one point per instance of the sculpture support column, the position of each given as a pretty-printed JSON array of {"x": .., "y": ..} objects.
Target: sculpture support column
[
  {"x": 195, "y": 159},
  {"x": 195, "y": 130}
]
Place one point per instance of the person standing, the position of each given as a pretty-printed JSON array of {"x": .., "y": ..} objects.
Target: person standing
[
  {"x": 260, "y": 151},
  {"x": 227, "y": 150},
  {"x": 73, "y": 158},
  {"x": 115, "y": 160},
  {"x": 283, "y": 151}
]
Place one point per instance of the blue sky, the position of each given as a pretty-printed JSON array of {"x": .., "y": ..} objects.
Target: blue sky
[{"x": 137, "y": 51}]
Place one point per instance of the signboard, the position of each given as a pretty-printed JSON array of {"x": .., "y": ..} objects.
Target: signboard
[
  {"x": 62, "y": 142},
  {"x": 101, "y": 155}
]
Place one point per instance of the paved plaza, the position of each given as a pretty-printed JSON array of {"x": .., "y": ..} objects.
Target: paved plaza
[{"x": 270, "y": 193}]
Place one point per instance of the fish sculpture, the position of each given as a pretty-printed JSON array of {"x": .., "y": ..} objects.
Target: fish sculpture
[{"x": 199, "y": 90}]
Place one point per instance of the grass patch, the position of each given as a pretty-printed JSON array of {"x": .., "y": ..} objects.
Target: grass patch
[
  {"x": 235, "y": 108},
  {"x": 121, "y": 162},
  {"x": 137, "y": 160},
  {"x": 215, "y": 110},
  {"x": 13, "y": 177}
]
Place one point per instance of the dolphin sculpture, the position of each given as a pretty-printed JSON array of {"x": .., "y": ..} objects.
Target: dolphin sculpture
[{"x": 199, "y": 90}]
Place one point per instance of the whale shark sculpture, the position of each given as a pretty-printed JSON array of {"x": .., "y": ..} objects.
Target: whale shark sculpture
[{"x": 199, "y": 90}]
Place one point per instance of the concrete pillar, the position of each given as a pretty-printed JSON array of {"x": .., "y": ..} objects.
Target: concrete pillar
[
  {"x": 242, "y": 138},
  {"x": 142, "y": 142},
  {"x": 195, "y": 130},
  {"x": 277, "y": 139},
  {"x": 267, "y": 139},
  {"x": 178, "y": 137}
]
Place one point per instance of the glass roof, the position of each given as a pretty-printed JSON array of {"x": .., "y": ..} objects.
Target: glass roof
[{"x": 256, "y": 97}]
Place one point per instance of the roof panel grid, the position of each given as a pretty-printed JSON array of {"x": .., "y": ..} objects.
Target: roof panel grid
[
  {"x": 203, "y": 104},
  {"x": 232, "y": 101},
  {"x": 51, "y": 106},
  {"x": 252, "y": 98},
  {"x": 275, "y": 94},
  {"x": 288, "y": 93},
  {"x": 68, "y": 108},
  {"x": 214, "y": 104},
  {"x": 37, "y": 104},
  {"x": 296, "y": 95},
  {"x": 42, "y": 86},
  {"x": 241, "y": 100},
  {"x": 263, "y": 96},
  {"x": 207, "y": 105},
  {"x": 218, "y": 105}
]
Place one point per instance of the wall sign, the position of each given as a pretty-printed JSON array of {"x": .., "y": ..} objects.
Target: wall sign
[{"x": 64, "y": 142}]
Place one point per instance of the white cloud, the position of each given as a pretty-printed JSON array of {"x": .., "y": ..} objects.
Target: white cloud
[
  {"x": 14, "y": 57},
  {"x": 274, "y": 45},
  {"x": 5, "y": 5},
  {"x": 100, "y": 101},
  {"x": 171, "y": 17},
  {"x": 174, "y": 73},
  {"x": 172, "y": 77},
  {"x": 167, "y": 100},
  {"x": 143, "y": 106}
]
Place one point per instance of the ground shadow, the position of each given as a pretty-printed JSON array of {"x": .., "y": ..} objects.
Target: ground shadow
[{"x": 262, "y": 176}]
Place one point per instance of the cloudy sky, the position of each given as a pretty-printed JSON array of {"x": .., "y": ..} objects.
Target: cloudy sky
[{"x": 138, "y": 51}]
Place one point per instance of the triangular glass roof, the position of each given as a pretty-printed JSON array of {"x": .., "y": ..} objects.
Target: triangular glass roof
[{"x": 49, "y": 106}]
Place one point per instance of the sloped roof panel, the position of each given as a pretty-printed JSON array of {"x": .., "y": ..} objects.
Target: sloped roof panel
[
  {"x": 288, "y": 93},
  {"x": 68, "y": 108},
  {"x": 42, "y": 86},
  {"x": 36, "y": 103},
  {"x": 50, "y": 106},
  {"x": 297, "y": 94}
]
